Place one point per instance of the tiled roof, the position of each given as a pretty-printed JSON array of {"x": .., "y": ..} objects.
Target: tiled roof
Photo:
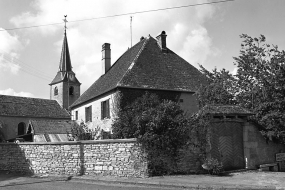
[
  {"x": 225, "y": 110},
  {"x": 52, "y": 126},
  {"x": 31, "y": 107},
  {"x": 145, "y": 66}
]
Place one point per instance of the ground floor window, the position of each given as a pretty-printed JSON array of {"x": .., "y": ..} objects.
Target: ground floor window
[
  {"x": 21, "y": 128},
  {"x": 105, "y": 109},
  {"x": 88, "y": 114}
]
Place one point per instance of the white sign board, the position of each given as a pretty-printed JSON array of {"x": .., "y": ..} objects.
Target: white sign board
[{"x": 280, "y": 157}]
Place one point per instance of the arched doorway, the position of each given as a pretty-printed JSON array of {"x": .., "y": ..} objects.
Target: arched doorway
[{"x": 21, "y": 128}]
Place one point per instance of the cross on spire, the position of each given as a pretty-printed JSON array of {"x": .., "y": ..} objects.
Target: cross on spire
[{"x": 65, "y": 21}]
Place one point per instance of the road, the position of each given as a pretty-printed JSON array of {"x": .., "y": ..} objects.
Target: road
[{"x": 69, "y": 185}]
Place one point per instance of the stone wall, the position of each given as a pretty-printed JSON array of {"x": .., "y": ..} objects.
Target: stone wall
[
  {"x": 120, "y": 157},
  {"x": 256, "y": 149}
]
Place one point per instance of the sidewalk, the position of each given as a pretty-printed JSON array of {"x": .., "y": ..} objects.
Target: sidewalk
[{"x": 239, "y": 180}]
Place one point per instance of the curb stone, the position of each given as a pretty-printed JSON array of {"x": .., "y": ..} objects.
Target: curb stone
[{"x": 180, "y": 186}]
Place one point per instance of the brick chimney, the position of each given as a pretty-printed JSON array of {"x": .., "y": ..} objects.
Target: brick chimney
[
  {"x": 161, "y": 38},
  {"x": 106, "y": 58}
]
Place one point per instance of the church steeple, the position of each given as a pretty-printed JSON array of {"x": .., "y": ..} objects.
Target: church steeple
[
  {"x": 65, "y": 88},
  {"x": 65, "y": 62}
]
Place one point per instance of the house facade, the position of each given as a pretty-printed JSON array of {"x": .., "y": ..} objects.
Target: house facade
[{"x": 147, "y": 66}]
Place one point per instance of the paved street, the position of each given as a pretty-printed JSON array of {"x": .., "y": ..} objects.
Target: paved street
[
  {"x": 69, "y": 185},
  {"x": 239, "y": 180}
]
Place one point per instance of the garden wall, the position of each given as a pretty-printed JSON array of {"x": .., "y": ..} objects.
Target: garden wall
[
  {"x": 114, "y": 157},
  {"x": 257, "y": 150}
]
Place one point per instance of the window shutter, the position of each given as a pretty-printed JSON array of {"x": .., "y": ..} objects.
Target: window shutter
[
  {"x": 90, "y": 113},
  {"x": 86, "y": 114},
  {"x": 107, "y": 109},
  {"x": 102, "y": 110}
]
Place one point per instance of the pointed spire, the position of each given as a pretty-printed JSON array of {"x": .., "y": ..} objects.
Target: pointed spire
[{"x": 65, "y": 62}]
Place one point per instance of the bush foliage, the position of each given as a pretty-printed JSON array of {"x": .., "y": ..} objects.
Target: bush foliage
[{"x": 159, "y": 125}]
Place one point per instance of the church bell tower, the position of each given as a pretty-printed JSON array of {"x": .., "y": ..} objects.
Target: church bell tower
[{"x": 65, "y": 88}]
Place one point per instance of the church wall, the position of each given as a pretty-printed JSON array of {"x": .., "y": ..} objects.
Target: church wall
[
  {"x": 63, "y": 94},
  {"x": 59, "y": 96},
  {"x": 10, "y": 125}
]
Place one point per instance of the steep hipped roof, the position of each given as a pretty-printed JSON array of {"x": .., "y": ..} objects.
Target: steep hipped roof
[
  {"x": 145, "y": 66},
  {"x": 52, "y": 126},
  {"x": 31, "y": 107},
  {"x": 65, "y": 67},
  {"x": 225, "y": 110}
]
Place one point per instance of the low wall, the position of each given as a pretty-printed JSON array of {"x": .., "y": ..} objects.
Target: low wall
[
  {"x": 114, "y": 157},
  {"x": 256, "y": 150}
]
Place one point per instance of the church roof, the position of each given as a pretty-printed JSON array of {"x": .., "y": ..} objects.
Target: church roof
[
  {"x": 146, "y": 66},
  {"x": 65, "y": 61},
  {"x": 52, "y": 126},
  {"x": 31, "y": 107},
  {"x": 65, "y": 67}
]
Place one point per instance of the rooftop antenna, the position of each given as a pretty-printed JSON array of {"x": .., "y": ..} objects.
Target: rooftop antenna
[{"x": 131, "y": 31}]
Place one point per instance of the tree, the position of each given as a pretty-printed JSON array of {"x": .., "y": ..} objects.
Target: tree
[
  {"x": 259, "y": 85},
  {"x": 261, "y": 79},
  {"x": 219, "y": 90}
]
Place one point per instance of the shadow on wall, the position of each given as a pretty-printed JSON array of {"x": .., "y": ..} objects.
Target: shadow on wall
[{"x": 13, "y": 159}]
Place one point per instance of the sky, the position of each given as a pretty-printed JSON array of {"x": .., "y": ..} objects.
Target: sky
[{"x": 205, "y": 34}]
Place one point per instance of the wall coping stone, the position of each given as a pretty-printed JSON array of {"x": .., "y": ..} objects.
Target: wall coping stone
[{"x": 104, "y": 141}]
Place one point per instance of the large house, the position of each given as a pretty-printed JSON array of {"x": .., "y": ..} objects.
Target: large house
[{"x": 147, "y": 66}]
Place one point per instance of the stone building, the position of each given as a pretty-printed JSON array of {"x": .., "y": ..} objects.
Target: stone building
[
  {"x": 147, "y": 66},
  {"x": 16, "y": 112}
]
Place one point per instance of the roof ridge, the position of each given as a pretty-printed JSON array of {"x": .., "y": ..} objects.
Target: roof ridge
[
  {"x": 26, "y": 97},
  {"x": 133, "y": 62}
]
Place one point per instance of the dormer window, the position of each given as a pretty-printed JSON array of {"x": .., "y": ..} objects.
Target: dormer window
[
  {"x": 71, "y": 90},
  {"x": 55, "y": 91}
]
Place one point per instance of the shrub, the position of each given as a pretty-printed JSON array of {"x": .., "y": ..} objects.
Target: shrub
[
  {"x": 82, "y": 132},
  {"x": 213, "y": 166},
  {"x": 160, "y": 127}
]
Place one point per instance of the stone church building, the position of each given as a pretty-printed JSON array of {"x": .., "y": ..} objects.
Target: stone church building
[{"x": 38, "y": 119}]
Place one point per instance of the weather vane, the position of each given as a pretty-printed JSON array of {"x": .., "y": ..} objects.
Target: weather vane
[{"x": 65, "y": 21}]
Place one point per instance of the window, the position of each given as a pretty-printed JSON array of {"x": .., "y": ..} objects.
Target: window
[
  {"x": 76, "y": 115},
  {"x": 88, "y": 114},
  {"x": 105, "y": 109},
  {"x": 55, "y": 91},
  {"x": 21, "y": 128},
  {"x": 71, "y": 90}
]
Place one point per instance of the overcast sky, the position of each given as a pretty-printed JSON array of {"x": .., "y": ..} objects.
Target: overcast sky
[{"x": 206, "y": 34}]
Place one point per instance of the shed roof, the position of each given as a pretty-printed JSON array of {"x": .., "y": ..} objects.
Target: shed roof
[
  {"x": 225, "y": 110},
  {"x": 52, "y": 126}
]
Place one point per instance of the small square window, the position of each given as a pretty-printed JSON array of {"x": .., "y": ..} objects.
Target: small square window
[{"x": 181, "y": 100}]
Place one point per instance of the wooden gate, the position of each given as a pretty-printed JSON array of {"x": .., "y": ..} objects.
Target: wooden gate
[{"x": 227, "y": 144}]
